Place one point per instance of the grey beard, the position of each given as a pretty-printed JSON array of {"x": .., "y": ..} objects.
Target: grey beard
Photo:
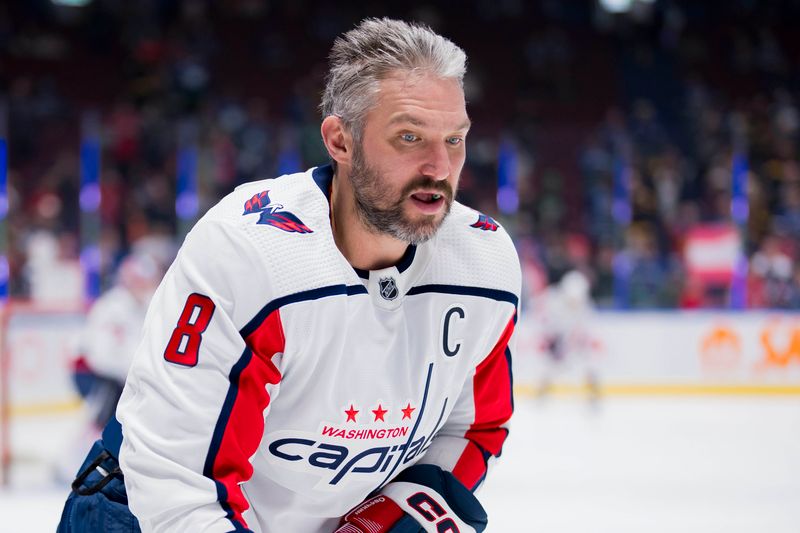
[
  {"x": 392, "y": 222},
  {"x": 369, "y": 196}
]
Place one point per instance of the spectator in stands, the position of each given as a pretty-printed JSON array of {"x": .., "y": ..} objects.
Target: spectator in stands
[
  {"x": 672, "y": 93},
  {"x": 771, "y": 275}
]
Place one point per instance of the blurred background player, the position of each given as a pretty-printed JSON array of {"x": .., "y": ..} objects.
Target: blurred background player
[
  {"x": 112, "y": 333},
  {"x": 565, "y": 312},
  {"x": 108, "y": 341}
]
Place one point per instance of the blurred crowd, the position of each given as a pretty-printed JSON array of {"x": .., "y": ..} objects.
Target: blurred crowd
[{"x": 662, "y": 101}]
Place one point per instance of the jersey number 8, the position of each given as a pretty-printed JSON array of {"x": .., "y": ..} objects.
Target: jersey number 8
[{"x": 184, "y": 344}]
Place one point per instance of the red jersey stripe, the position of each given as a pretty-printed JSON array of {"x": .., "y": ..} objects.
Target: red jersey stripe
[
  {"x": 493, "y": 407},
  {"x": 245, "y": 427}
]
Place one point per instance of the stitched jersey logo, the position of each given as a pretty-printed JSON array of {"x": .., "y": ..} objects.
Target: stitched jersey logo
[
  {"x": 359, "y": 443},
  {"x": 485, "y": 222},
  {"x": 273, "y": 215},
  {"x": 388, "y": 288}
]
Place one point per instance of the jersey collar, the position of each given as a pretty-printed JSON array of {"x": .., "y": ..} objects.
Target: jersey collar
[{"x": 387, "y": 286}]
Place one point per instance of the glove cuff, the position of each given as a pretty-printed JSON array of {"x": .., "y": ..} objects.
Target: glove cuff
[
  {"x": 376, "y": 514},
  {"x": 437, "y": 500}
]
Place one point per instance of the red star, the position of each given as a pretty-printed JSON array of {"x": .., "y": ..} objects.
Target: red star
[
  {"x": 407, "y": 411},
  {"x": 379, "y": 412},
  {"x": 351, "y": 414}
]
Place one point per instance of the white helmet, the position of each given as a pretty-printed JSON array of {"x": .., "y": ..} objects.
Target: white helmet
[{"x": 574, "y": 285}]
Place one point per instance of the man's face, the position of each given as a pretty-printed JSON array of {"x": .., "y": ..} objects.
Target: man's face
[{"x": 405, "y": 171}]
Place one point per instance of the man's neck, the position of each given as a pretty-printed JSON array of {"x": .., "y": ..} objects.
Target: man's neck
[{"x": 364, "y": 249}]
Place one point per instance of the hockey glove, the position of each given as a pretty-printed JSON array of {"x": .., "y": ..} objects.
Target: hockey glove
[
  {"x": 422, "y": 498},
  {"x": 378, "y": 514}
]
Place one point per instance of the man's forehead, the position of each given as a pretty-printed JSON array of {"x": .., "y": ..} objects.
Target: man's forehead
[
  {"x": 419, "y": 99},
  {"x": 419, "y": 120}
]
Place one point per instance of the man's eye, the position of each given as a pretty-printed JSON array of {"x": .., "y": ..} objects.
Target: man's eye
[
  {"x": 409, "y": 137},
  {"x": 455, "y": 140}
]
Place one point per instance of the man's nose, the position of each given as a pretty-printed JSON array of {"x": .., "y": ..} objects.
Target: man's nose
[{"x": 437, "y": 162}]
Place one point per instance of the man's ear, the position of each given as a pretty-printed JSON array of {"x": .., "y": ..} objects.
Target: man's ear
[{"x": 337, "y": 140}]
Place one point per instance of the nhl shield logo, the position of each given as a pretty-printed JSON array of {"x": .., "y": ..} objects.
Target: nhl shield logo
[{"x": 388, "y": 288}]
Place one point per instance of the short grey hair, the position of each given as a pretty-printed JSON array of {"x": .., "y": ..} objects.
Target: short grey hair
[{"x": 374, "y": 50}]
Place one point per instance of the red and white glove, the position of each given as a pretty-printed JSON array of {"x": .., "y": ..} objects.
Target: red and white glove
[
  {"x": 423, "y": 498},
  {"x": 374, "y": 515}
]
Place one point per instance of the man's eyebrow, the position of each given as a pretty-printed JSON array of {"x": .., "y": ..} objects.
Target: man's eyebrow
[
  {"x": 417, "y": 121},
  {"x": 407, "y": 117}
]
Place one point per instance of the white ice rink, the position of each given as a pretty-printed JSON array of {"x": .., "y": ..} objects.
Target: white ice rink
[{"x": 635, "y": 464}]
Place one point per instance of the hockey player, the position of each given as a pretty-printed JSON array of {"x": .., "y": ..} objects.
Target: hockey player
[
  {"x": 330, "y": 351},
  {"x": 565, "y": 316},
  {"x": 108, "y": 341},
  {"x": 113, "y": 331}
]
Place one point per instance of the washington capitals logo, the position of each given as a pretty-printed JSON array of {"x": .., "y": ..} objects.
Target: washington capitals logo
[
  {"x": 486, "y": 223},
  {"x": 271, "y": 214}
]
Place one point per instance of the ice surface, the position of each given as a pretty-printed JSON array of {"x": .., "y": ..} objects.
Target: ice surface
[{"x": 632, "y": 464}]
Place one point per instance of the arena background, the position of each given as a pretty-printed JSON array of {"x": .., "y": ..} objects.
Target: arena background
[{"x": 651, "y": 145}]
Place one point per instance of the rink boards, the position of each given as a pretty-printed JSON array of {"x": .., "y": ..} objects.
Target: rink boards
[
  {"x": 39, "y": 345},
  {"x": 631, "y": 352},
  {"x": 696, "y": 352}
]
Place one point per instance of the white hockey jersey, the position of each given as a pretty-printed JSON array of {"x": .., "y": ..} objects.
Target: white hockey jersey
[{"x": 276, "y": 386}]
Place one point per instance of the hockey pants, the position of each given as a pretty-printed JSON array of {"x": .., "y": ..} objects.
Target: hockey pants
[{"x": 98, "y": 501}]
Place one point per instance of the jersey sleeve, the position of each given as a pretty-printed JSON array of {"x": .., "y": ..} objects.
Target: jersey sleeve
[
  {"x": 476, "y": 428},
  {"x": 478, "y": 425},
  {"x": 198, "y": 392}
]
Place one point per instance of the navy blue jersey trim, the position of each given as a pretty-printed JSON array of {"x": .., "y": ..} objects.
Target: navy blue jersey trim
[
  {"x": 356, "y": 289},
  {"x": 303, "y": 296},
  {"x": 436, "y": 428},
  {"x": 402, "y": 265},
  {"x": 510, "y": 373},
  {"x": 219, "y": 431},
  {"x": 407, "y": 259},
  {"x": 492, "y": 294},
  {"x": 323, "y": 177}
]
